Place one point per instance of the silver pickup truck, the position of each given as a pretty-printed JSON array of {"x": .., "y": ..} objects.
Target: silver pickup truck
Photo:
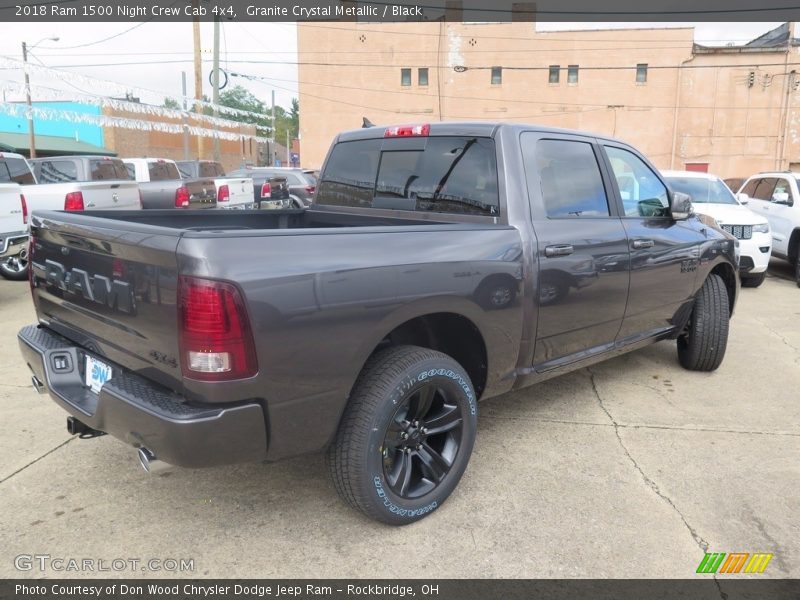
[{"x": 161, "y": 185}]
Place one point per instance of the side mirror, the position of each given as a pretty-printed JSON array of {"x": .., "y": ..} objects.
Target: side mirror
[
  {"x": 742, "y": 198},
  {"x": 680, "y": 206}
]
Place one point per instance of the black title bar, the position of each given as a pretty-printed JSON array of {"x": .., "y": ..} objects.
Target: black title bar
[{"x": 398, "y": 11}]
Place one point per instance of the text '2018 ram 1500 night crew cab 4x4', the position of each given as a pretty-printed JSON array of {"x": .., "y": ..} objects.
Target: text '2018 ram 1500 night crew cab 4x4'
[{"x": 440, "y": 264}]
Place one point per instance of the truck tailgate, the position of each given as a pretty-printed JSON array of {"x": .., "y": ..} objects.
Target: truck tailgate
[
  {"x": 112, "y": 291},
  {"x": 116, "y": 195},
  {"x": 10, "y": 209}
]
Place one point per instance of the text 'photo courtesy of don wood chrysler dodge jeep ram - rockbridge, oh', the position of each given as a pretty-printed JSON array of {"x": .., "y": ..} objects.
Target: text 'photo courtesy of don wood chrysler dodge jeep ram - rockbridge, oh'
[{"x": 439, "y": 264}]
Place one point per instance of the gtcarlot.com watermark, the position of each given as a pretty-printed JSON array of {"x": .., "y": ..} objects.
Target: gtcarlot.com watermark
[{"x": 45, "y": 563}]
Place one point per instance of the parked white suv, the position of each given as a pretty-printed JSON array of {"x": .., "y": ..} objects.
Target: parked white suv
[
  {"x": 710, "y": 196},
  {"x": 777, "y": 198}
]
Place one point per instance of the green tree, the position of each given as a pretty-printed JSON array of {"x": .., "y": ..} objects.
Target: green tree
[
  {"x": 171, "y": 103},
  {"x": 240, "y": 98},
  {"x": 294, "y": 115}
]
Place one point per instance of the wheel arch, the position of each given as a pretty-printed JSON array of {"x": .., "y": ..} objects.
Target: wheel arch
[
  {"x": 448, "y": 332},
  {"x": 728, "y": 275},
  {"x": 794, "y": 245}
]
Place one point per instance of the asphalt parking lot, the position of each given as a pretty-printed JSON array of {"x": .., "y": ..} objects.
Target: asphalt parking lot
[{"x": 631, "y": 469}]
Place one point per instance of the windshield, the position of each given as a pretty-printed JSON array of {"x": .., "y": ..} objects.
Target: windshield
[{"x": 702, "y": 190}]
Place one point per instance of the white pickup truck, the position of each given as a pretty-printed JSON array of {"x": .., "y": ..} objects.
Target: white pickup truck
[
  {"x": 232, "y": 192},
  {"x": 81, "y": 183},
  {"x": 776, "y": 196},
  {"x": 13, "y": 228},
  {"x": 58, "y": 183}
]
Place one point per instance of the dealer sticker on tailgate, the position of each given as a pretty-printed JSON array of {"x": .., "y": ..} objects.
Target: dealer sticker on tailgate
[{"x": 97, "y": 373}]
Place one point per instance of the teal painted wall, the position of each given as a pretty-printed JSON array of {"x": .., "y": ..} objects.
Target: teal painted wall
[{"x": 91, "y": 134}]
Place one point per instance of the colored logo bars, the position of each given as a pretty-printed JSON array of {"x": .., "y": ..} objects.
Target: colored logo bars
[{"x": 736, "y": 562}]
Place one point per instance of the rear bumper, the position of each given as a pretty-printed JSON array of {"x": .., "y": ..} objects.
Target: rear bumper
[
  {"x": 13, "y": 243},
  {"x": 141, "y": 413}
]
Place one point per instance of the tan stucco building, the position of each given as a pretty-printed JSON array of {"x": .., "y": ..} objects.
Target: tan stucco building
[{"x": 730, "y": 110}]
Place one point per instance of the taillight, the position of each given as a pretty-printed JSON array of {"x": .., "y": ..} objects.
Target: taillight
[
  {"x": 266, "y": 190},
  {"x": 224, "y": 194},
  {"x": 73, "y": 201},
  {"x": 24, "y": 209},
  {"x": 310, "y": 189},
  {"x": 118, "y": 268},
  {"x": 182, "y": 197},
  {"x": 216, "y": 342},
  {"x": 408, "y": 131}
]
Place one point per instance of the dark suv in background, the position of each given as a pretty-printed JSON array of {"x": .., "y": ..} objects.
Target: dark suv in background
[{"x": 302, "y": 183}]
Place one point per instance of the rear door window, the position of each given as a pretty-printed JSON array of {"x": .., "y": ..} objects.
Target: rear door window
[
  {"x": 16, "y": 170},
  {"x": 456, "y": 175},
  {"x": 57, "y": 171},
  {"x": 569, "y": 178}
]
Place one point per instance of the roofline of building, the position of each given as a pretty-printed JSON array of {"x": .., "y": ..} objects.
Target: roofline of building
[{"x": 700, "y": 49}]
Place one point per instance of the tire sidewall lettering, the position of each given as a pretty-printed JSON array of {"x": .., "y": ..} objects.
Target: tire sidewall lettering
[{"x": 398, "y": 394}]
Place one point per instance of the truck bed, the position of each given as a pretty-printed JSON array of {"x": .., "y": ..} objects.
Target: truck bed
[{"x": 186, "y": 221}]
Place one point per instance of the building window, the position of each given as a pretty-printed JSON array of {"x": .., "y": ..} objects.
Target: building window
[
  {"x": 497, "y": 75},
  {"x": 405, "y": 76},
  {"x": 641, "y": 73},
  {"x": 572, "y": 74},
  {"x": 422, "y": 77},
  {"x": 555, "y": 73}
]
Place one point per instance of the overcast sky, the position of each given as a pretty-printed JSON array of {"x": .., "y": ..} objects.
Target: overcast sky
[{"x": 172, "y": 43}]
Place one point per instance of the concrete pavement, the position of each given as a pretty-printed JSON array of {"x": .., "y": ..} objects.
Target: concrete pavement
[{"x": 633, "y": 468}]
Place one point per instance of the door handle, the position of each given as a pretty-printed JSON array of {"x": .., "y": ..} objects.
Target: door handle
[
  {"x": 559, "y": 250},
  {"x": 639, "y": 244}
]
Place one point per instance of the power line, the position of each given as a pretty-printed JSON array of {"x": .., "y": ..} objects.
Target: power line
[
  {"x": 466, "y": 68},
  {"x": 402, "y": 52},
  {"x": 603, "y": 105},
  {"x": 550, "y": 36}
]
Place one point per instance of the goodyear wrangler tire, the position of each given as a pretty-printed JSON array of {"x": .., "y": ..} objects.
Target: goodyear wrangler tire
[
  {"x": 406, "y": 435},
  {"x": 702, "y": 345}
]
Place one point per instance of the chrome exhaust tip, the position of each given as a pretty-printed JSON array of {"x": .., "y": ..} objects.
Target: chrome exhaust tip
[
  {"x": 150, "y": 463},
  {"x": 37, "y": 385}
]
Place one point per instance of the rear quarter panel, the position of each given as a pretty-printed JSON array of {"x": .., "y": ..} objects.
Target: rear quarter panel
[{"x": 321, "y": 303}]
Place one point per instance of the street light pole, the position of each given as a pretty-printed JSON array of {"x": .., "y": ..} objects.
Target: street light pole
[{"x": 31, "y": 137}]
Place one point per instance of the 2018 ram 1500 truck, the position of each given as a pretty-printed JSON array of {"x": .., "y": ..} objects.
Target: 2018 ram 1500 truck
[{"x": 440, "y": 264}]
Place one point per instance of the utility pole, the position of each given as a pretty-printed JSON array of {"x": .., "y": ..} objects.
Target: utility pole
[
  {"x": 274, "y": 137},
  {"x": 198, "y": 74},
  {"x": 185, "y": 119},
  {"x": 31, "y": 137},
  {"x": 215, "y": 83}
]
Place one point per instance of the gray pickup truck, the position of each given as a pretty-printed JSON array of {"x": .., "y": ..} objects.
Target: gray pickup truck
[
  {"x": 161, "y": 185},
  {"x": 439, "y": 265}
]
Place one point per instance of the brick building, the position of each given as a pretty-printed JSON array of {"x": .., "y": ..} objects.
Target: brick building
[{"x": 126, "y": 142}]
